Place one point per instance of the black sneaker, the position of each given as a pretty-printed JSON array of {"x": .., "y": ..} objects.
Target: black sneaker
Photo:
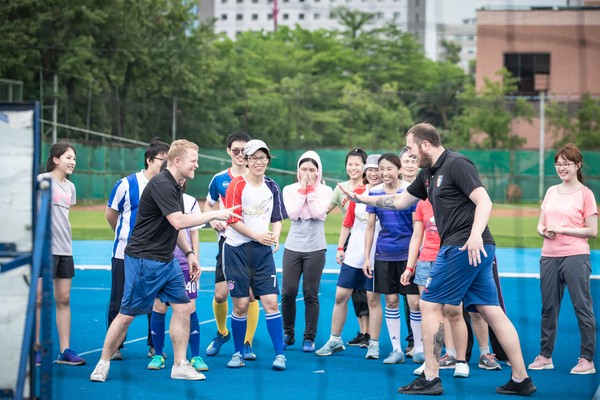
[
  {"x": 422, "y": 386},
  {"x": 357, "y": 340},
  {"x": 364, "y": 343},
  {"x": 511, "y": 387}
]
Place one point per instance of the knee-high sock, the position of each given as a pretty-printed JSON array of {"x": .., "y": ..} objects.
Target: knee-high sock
[
  {"x": 253, "y": 312},
  {"x": 415, "y": 323},
  {"x": 238, "y": 329},
  {"x": 194, "y": 334},
  {"x": 157, "y": 324},
  {"x": 392, "y": 320},
  {"x": 275, "y": 328},
  {"x": 221, "y": 310}
]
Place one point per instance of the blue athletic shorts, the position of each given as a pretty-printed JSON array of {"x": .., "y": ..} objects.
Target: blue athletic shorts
[
  {"x": 351, "y": 278},
  {"x": 422, "y": 272},
  {"x": 452, "y": 280},
  {"x": 250, "y": 265},
  {"x": 146, "y": 280}
]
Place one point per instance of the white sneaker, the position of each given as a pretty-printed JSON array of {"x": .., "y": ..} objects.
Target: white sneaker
[
  {"x": 461, "y": 370},
  {"x": 419, "y": 370},
  {"x": 100, "y": 373},
  {"x": 186, "y": 371},
  {"x": 373, "y": 351}
]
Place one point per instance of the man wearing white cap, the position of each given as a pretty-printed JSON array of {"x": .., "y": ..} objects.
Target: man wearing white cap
[{"x": 248, "y": 254}]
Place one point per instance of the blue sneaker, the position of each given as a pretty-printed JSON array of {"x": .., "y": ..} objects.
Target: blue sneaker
[
  {"x": 288, "y": 341},
  {"x": 308, "y": 346},
  {"x": 215, "y": 346},
  {"x": 69, "y": 357},
  {"x": 249, "y": 352},
  {"x": 157, "y": 362}
]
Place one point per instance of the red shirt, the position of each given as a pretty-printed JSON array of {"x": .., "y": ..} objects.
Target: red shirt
[{"x": 431, "y": 242}]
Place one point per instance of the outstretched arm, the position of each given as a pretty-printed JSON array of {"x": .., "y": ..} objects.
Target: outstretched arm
[{"x": 399, "y": 201}]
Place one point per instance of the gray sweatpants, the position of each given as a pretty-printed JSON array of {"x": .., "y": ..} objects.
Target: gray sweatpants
[{"x": 574, "y": 272}]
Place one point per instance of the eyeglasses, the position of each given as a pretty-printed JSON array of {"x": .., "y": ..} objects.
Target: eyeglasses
[
  {"x": 262, "y": 159},
  {"x": 159, "y": 159},
  {"x": 236, "y": 151},
  {"x": 565, "y": 165}
]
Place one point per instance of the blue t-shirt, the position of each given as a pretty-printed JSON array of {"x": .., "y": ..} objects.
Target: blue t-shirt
[{"x": 396, "y": 229}]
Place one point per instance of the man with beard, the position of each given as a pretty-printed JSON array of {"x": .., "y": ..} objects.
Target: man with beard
[{"x": 462, "y": 271}]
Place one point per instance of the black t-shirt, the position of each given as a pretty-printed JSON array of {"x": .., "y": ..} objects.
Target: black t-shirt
[
  {"x": 153, "y": 237},
  {"x": 448, "y": 185}
]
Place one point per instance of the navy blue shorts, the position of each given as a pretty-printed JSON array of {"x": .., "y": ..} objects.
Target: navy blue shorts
[
  {"x": 146, "y": 280},
  {"x": 250, "y": 265},
  {"x": 351, "y": 278},
  {"x": 452, "y": 279}
]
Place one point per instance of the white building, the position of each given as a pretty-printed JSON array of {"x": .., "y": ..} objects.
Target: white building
[{"x": 235, "y": 16}]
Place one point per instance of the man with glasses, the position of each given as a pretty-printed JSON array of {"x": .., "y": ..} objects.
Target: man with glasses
[
  {"x": 215, "y": 199},
  {"x": 248, "y": 262},
  {"x": 121, "y": 213}
]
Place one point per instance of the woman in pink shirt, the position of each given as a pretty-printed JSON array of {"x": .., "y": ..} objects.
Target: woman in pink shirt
[{"x": 569, "y": 217}]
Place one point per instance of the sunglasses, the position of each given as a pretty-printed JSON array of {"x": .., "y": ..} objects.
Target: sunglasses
[{"x": 236, "y": 151}]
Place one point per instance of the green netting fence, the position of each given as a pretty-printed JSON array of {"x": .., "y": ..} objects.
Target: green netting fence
[{"x": 509, "y": 175}]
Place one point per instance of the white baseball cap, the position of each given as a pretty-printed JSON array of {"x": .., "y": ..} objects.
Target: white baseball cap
[
  {"x": 372, "y": 161},
  {"x": 253, "y": 146}
]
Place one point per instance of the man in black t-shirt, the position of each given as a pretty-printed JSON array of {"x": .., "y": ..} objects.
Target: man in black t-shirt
[
  {"x": 463, "y": 269},
  {"x": 150, "y": 268}
]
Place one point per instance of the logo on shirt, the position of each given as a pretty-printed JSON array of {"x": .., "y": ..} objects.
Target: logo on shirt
[
  {"x": 260, "y": 209},
  {"x": 439, "y": 180},
  {"x": 225, "y": 184}
]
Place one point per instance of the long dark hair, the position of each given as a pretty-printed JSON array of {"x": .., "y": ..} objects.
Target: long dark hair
[
  {"x": 572, "y": 153},
  {"x": 57, "y": 150}
]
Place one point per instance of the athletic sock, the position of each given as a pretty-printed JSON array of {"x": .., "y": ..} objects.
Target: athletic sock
[
  {"x": 157, "y": 325},
  {"x": 275, "y": 328},
  {"x": 238, "y": 329},
  {"x": 194, "y": 334},
  {"x": 253, "y": 312},
  {"x": 392, "y": 320},
  {"x": 335, "y": 338},
  {"x": 415, "y": 324},
  {"x": 221, "y": 310},
  {"x": 451, "y": 352},
  {"x": 484, "y": 350}
]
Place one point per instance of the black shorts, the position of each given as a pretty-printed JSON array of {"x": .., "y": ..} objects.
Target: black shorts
[
  {"x": 63, "y": 267},
  {"x": 386, "y": 278},
  {"x": 219, "y": 277}
]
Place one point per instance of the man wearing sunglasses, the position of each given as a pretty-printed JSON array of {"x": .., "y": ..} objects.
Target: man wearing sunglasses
[{"x": 214, "y": 200}]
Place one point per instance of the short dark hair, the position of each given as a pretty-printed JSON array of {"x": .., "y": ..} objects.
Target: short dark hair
[
  {"x": 155, "y": 147},
  {"x": 425, "y": 131},
  {"x": 391, "y": 157},
  {"x": 314, "y": 162},
  {"x": 237, "y": 136},
  {"x": 57, "y": 150}
]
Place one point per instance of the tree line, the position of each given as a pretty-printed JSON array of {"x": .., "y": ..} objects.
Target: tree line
[{"x": 130, "y": 68}]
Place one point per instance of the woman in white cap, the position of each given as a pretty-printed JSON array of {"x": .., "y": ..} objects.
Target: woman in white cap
[{"x": 248, "y": 251}]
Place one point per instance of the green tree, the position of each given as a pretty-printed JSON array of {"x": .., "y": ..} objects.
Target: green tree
[
  {"x": 581, "y": 126},
  {"x": 485, "y": 118}
]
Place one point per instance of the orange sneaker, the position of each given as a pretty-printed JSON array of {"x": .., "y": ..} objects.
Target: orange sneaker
[
  {"x": 541, "y": 363},
  {"x": 584, "y": 367}
]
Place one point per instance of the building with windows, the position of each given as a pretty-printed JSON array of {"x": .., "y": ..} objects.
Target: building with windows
[
  {"x": 463, "y": 35},
  {"x": 235, "y": 16},
  {"x": 554, "y": 50}
]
